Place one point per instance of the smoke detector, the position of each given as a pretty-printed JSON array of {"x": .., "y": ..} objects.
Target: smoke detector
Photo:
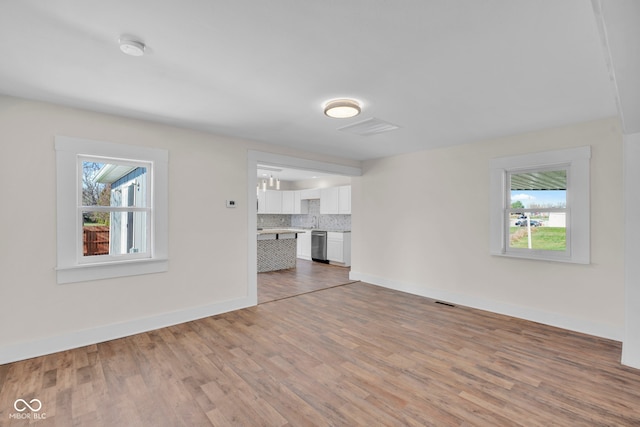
[{"x": 131, "y": 47}]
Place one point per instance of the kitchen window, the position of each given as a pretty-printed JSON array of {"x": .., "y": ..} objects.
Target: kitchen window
[
  {"x": 540, "y": 206},
  {"x": 112, "y": 210}
]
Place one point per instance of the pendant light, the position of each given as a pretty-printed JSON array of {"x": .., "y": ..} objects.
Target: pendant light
[
  {"x": 271, "y": 181},
  {"x": 264, "y": 185},
  {"x": 278, "y": 184}
]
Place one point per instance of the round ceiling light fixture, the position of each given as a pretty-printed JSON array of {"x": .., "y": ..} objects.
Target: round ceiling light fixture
[
  {"x": 342, "y": 108},
  {"x": 132, "y": 47}
]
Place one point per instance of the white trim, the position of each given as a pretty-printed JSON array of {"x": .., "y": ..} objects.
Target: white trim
[
  {"x": 534, "y": 315},
  {"x": 68, "y": 151},
  {"x": 253, "y": 158},
  {"x": 578, "y": 202},
  {"x": 75, "y": 339},
  {"x": 631, "y": 344}
]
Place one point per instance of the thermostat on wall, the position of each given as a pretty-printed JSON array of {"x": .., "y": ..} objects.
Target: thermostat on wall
[{"x": 231, "y": 203}]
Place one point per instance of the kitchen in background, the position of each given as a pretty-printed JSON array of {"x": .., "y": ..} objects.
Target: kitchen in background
[
  {"x": 307, "y": 217},
  {"x": 330, "y": 222},
  {"x": 313, "y": 219}
]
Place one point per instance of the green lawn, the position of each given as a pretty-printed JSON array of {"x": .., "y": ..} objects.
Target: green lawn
[{"x": 544, "y": 238}]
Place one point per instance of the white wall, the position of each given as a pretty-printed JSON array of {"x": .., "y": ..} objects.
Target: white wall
[
  {"x": 420, "y": 224},
  {"x": 631, "y": 345},
  {"x": 208, "y": 248},
  {"x": 324, "y": 182}
]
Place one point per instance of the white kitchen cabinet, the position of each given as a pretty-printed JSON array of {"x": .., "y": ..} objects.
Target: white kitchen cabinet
[
  {"x": 288, "y": 202},
  {"x": 313, "y": 193},
  {"x": 329, "y": 199},
  {"x": 273, "y": 202},
  {"x": 335, "y": 200},
  {"x": 339, "y": 247},
  {"x": 262, "y": 202},
  {"x": 304, "y": 245},
  {"x": 344, "y": 199},
  {"x": 300, "y": 206}
]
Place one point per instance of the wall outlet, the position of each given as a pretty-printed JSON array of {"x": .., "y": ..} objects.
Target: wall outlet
[{"x": 231, "y": 203}]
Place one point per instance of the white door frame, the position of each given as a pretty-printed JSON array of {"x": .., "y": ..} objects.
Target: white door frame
[{"x": 631, "y": 165}]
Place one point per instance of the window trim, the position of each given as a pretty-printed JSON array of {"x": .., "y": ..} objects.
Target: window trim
[
  {"x": 577, "y": 162},
  {"x": 69, "y": 151}
]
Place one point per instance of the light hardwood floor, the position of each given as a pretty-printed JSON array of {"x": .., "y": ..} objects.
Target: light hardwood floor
[
  {"x": 352, "y": 355},
  {"x": 308, "y": 276}
]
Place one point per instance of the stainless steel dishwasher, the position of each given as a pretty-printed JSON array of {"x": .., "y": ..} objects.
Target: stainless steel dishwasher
[{"x": 319, "y": 246}]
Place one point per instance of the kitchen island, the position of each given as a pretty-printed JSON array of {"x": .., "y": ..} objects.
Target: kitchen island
[{"x": 277, "y": 249}]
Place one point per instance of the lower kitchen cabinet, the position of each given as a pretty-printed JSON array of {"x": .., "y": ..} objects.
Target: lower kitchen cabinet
[
  {"x": 339, "y": 247},
  {"x": 304, "y": 245}
]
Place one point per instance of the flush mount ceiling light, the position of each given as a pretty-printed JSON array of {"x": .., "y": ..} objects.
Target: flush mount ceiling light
[
  {"x": 132, "y": 47},
  {"x": 342, "y": 108}
]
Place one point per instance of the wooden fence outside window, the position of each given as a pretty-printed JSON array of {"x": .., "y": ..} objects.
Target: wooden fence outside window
[{"x": 95, "y": 240}]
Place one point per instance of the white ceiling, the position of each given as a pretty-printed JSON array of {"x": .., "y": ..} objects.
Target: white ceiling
[{"x": 447, "y": 72}]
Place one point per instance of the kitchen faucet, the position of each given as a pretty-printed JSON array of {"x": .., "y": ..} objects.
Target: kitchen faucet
[{"x": 313, "y": 222}]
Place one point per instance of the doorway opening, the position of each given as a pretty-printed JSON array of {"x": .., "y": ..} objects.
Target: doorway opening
[{"x": 294, "y": 176}]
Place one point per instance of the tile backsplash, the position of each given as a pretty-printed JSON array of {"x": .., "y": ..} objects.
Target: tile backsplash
[
  {"x": 311, "y": 220},
  {"x": 273, "y": 220}
]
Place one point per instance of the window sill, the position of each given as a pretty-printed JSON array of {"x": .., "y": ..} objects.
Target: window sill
[
  {"x": 109, "y": 270},
  {"x": 542, "y": 257}
]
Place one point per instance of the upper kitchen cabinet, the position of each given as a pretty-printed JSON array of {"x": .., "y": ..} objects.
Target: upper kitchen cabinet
[
  {"x": 312, "y": 193},
  {"x": 262, "y": 196},
  {"x": 273, "y": 202},
  {"x": 282, "y": 202},
  {"x": 300, "y": 206},
  {"x": 344, "y": 199},
  {"x": 288, "y": 202},
  {"x": 335, "y": 200},
  {"x": 329, "y": 199}
]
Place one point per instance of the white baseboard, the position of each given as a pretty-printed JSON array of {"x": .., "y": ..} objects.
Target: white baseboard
[
  {"x": 630, "y": 355},
  {"x": 81, "y": 338},
  {"x": 527, "y": 313}
]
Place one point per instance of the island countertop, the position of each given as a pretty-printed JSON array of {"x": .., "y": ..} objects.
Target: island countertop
[{"x": 280, "y": 231}]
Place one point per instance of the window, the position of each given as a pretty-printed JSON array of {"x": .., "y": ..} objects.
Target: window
[
  {"x": 112, "y": 210},
  {"x": 540, "y": 206}
]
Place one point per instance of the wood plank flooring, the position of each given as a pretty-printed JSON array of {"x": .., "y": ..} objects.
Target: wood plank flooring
[
  {"x": 308, "y": 276},
  {"x": 352, "y": 355}
]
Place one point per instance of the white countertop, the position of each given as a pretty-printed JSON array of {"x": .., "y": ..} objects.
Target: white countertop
[
  {"x": 281, "y": 231},
  {"x": 296, "y": 230}
]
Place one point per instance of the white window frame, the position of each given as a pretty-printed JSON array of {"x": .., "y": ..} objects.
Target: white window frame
[
  {"x": 577, "y": 163},
  {"x": 72, "y": 266}
]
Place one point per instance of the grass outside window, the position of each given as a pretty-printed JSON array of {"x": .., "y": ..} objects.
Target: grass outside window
[{"x": 542, "y": 238}]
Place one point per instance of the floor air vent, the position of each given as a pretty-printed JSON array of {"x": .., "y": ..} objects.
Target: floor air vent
[{"x": 445, "y": 303}]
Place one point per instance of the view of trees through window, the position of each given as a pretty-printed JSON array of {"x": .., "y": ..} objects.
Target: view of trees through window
[
  {"x": 94, "y": 193},
  {"x": 114, "y": 208},
  {"x": 95, "y": 224},
  {"x": 538, "y": 210}
]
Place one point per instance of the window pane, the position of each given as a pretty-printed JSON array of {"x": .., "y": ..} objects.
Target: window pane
[
  {"x": 95, "y": 237},
  {"x": 113, "y": 184},
  {"x": 538, "y": 189},
  {"x": 545, "y": 233},
  {"x": 128, "y": 232},
  {"x": 124, "y": 233},
  {"x": 531, "y": 229}
]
